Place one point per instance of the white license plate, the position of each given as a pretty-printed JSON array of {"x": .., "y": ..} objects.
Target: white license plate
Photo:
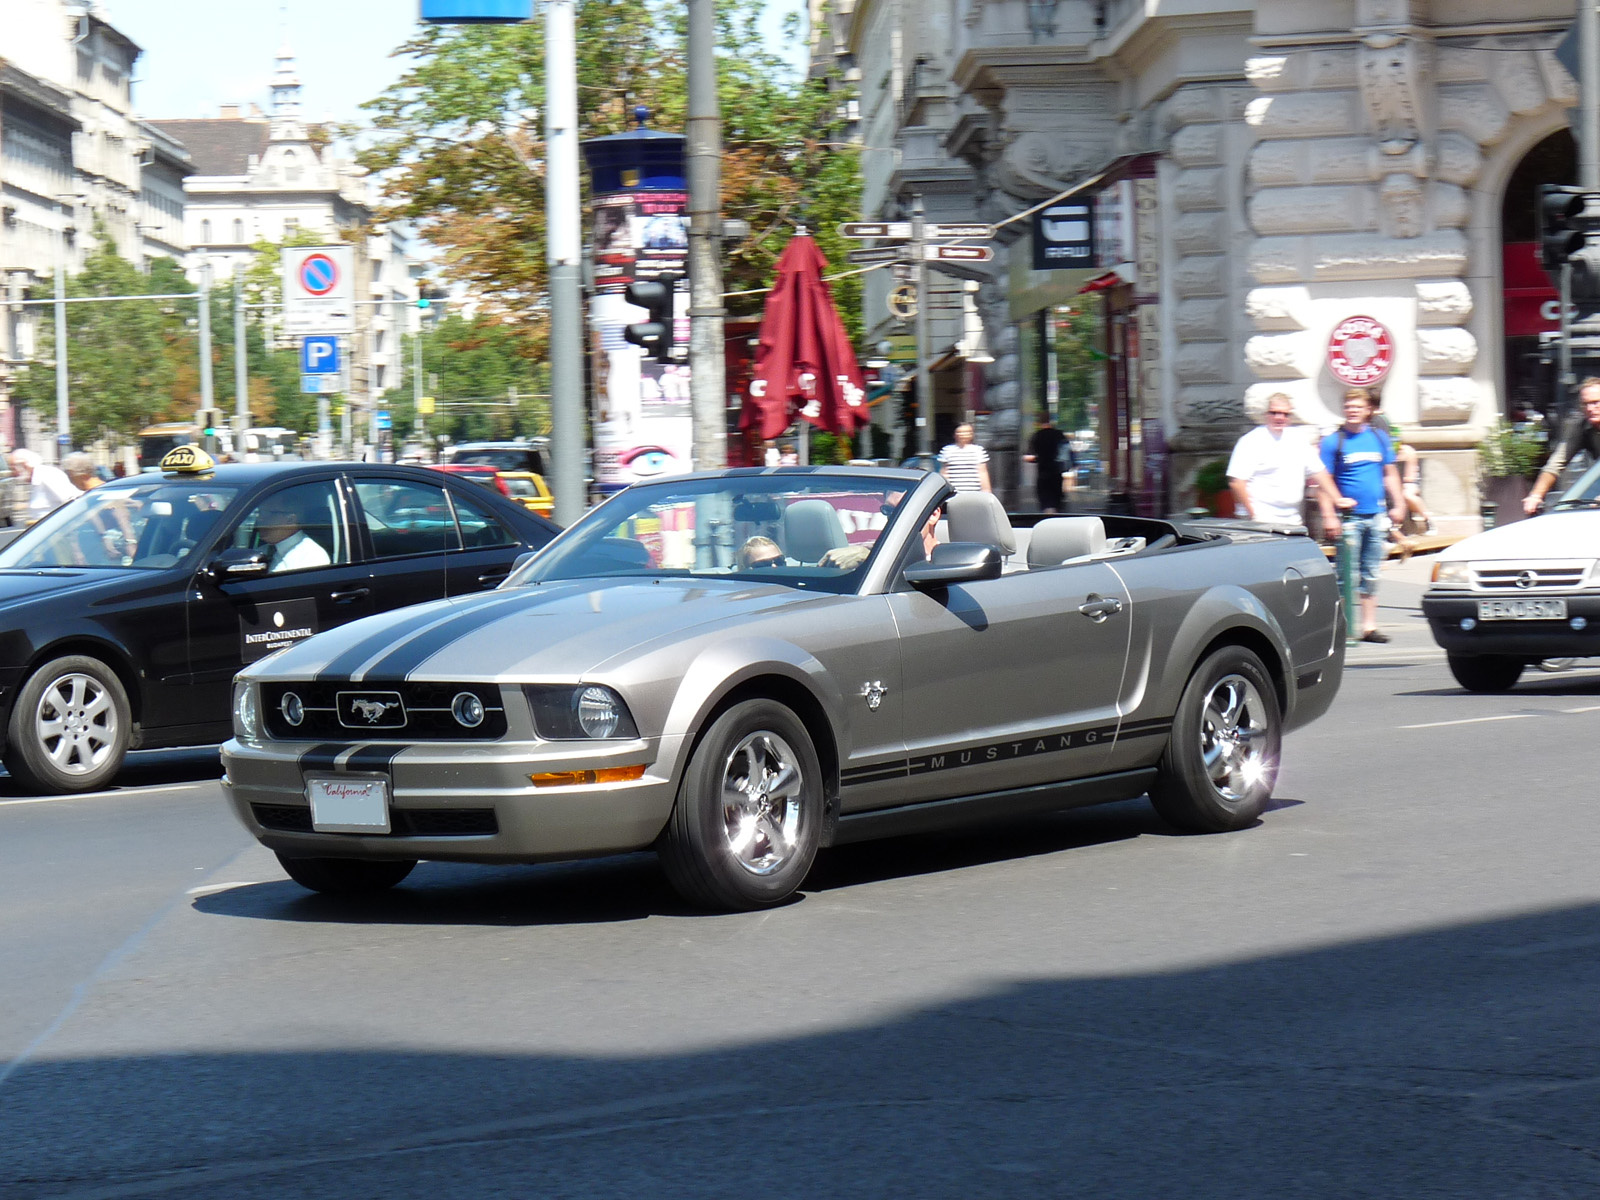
[
  {"x": 349, "y": 804},
  {"x": 1522, "y": 610}
]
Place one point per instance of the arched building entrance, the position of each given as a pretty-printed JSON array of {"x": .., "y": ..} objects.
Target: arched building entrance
[{"x": 1531, "y": 304}]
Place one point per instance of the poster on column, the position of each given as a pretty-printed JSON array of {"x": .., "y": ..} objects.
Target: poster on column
[
  {"x": 642, "y": 423},
  {"x": 638, "y": 235}
]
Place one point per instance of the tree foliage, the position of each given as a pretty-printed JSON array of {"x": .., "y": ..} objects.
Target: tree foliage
[
  {"x": 459, "y": 143},
  {"x": 483, "y": 385}
]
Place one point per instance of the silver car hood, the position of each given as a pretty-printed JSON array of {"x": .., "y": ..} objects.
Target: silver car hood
[{"x": 549, "y": 630}]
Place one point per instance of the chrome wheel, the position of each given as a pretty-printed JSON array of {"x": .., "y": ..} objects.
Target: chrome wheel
[
  {"x": 761, "y": 802},
  {"x": 1233, "y": 737},
  {"x": 76, "y": 724}
]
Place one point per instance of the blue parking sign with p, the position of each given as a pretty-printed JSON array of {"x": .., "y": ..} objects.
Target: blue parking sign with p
[{"x": 319, "y": 356}]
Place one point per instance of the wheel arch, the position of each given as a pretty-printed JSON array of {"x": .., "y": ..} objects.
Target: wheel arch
[
  {"x": 1230, "y": 616},
  {"x": 110, "y": 653}
]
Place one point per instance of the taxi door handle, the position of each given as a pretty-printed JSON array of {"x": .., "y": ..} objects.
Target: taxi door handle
[
  {"x": 359, "y": 593},
  {"x": 1098, "y": 608}
]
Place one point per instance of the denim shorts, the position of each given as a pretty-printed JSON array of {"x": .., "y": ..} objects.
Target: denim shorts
[{"x": 1372, "y": 532}]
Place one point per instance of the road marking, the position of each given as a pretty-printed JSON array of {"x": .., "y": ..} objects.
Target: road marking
[
  {"x": 1473, "y": 721},
  {"x": 1588, "y": 708},
  {"x": 168, "y": 787},
  {"x": 211, "y": 889}
]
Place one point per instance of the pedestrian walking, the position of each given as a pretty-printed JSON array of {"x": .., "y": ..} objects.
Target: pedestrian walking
[
  {"x": 48, "y": 487},
  {"x": 1581, "y": 432},
  {"x": 1045, "y": 448},
  {"x": 1362, "y": 463},
  {"x": 965, "y": 464},
  {"x": 1270, "y": 467}
]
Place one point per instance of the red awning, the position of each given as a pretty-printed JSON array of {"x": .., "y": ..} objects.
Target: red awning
[{"x": 1102, "y": 282}]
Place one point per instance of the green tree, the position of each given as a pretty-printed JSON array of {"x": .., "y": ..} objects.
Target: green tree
[
  {"x": 460, "y": 148},
  {"x": 123, "y": 356},
  {"x": 484, "y": 386}
]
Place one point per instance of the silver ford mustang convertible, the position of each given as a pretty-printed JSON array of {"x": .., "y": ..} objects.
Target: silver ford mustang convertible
[{"x": 740, "y": 668}]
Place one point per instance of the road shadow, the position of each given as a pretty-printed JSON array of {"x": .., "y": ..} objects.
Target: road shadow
[
  {"x": 147, "y": 768},
  {"x": 1451, "y": 1063}
]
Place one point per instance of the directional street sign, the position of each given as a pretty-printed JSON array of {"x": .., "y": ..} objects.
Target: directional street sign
[
  {"x": 875, "y": 229},
  {"x": 385, "y": 420},
  {"x": 984, "y": 232},
  {"x": 876, "y": 254},
  {"x": 957, "y": 253},
  {"x": 319, "y": 356}
]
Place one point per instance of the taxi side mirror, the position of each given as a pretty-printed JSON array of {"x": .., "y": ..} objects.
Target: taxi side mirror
[{"x": 238, "y": 562}]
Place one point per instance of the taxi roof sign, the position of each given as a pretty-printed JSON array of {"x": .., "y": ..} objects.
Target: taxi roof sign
[{"x": 187, "y": 460}]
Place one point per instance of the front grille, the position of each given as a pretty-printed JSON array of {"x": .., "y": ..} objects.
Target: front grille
[
  {"x": 1544, "y": 577},
  {"x": 427, "y": 712},
  {"x": 405, "y": 822}
]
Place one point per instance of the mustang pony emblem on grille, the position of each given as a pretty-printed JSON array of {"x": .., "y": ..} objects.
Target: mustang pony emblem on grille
[{"x": 373, "y": 710}]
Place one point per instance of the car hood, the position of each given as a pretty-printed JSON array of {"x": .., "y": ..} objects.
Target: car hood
[
  {"x": 1565, "y": 535},
  {"x": 550, "y": 630},
  {"x": 19, "y": 584}
]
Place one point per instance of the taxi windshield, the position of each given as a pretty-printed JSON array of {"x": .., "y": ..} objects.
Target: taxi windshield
[
  {"x": 809, "y": 531},
  {"x": 148, "y": 526}
]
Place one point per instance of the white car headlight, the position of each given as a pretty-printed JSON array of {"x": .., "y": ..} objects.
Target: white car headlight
[
  {"x": 1452, "y": 574},
  {"x": 246, "y": 713}
]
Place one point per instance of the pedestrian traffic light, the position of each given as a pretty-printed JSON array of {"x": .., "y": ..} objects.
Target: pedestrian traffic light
[
  {"x": 1560, "y": 237},
  {"x": 656, "y": 297}
]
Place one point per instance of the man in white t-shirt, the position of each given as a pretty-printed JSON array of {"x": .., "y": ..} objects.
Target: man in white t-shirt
[
  {"x": 1269, "y": 470},
  {"x": 48, "y": 486}
]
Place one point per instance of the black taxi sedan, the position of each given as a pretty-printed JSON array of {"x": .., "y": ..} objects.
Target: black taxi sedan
[{"x": 125, "y": 613}]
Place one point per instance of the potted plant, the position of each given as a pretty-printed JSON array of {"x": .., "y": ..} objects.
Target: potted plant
[
  {"x": 1508, "y": 458},
  {"x": 1211, "y": 488}
]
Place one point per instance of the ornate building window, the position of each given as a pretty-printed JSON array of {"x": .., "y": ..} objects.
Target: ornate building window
[
  {"x": 238, "y": 230},
  {"x": 205, "y": 232}
]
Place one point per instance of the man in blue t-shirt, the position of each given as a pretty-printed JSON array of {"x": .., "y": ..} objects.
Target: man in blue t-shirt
[{"x": 1361, "y": 460}]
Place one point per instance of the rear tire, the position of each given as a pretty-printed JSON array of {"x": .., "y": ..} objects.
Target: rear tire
[
  {"x": 1486, "y": 672},
  {"x": 748, "y": 819},
  {"x": 346, "y": 876},
  {"x": 70, "y": 727},
  {"x": 1221, "y": 760}
]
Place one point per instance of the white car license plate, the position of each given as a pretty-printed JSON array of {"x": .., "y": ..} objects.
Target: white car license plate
[
  {"x": 349, "y": 804},
  {"x": 1522, "y": 610}
]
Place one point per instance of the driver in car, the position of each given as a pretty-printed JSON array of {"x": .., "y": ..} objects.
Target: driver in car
[{"x": 278, "y": 525}]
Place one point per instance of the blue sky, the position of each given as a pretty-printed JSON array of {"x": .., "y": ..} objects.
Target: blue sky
[{"x": 199, "y": 54}]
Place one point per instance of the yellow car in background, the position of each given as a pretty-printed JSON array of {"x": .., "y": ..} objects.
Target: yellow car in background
[{"x": 530, "y": 491}]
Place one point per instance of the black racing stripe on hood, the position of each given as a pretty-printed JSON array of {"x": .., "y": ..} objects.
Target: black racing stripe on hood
[
  {"x": 394, "y": 637},
  {"x": 424, "y": 644}
]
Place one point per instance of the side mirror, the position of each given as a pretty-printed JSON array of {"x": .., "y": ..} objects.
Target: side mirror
[
  {"x": 955, "y": 562},
  {"x": 240, "y": 562}
]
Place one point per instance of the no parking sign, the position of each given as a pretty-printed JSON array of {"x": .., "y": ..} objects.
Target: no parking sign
[{"x": 318, "y": 290}]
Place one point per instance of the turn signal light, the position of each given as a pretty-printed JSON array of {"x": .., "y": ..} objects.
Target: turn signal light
[{"x": 577, "y": 778}]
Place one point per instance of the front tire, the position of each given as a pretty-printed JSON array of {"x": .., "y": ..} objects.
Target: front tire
[
  {"x": 1221, "y": 760},
  {"x": 1486, "y": 672},
  {"x": 748, "y": 818},
  {"x": 70, "y": 727},
  {"x": 346, "y": 876}
]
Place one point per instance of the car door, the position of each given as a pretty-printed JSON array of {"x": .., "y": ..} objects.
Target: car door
[
  {"x": 487, "y": 546},
  {"x": 1013, "y": 681},
  {"x": 317, "y": 583},
  {"x": 408, "y": 528}
]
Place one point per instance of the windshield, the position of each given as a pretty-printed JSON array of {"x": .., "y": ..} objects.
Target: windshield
[
  {"x": 147, "y": 527},
  {"x": 1585, "y": 493},
  {"x": 805, "y": 531}
]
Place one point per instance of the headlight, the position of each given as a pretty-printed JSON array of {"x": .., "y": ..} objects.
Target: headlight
[
  {"x": 1452, "y": 574},
  {"x": 246, "y": 714},
  {"x": 467, "y": 709},
  {"x": 580, "y": 713}
]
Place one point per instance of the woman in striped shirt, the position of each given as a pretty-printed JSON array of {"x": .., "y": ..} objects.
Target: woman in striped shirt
[{"x": 965, "y": 464}]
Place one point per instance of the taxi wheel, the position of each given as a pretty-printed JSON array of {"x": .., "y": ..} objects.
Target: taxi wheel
[
  {"x": 748, "y": 819},
  {"x": 346, "y": 876},
  {"x": 69, "y": 728},
  {"x": 1486, "y": 672},
  {"x": 1221, "y": 760}
]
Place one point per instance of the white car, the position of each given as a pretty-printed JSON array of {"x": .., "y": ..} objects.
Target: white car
[{"x": 1521, "y": 593}]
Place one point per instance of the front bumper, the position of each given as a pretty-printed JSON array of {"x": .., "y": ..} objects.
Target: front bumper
[
  {"x": 1531, "y": 640},
  {"x": 455, "y": 801}
]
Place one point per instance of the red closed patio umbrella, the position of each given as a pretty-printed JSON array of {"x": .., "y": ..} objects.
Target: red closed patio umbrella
[{"x": 805, "y": 365}]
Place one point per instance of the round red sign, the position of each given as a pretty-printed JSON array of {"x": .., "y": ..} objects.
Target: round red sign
[{"x": 1360, "y": 351}]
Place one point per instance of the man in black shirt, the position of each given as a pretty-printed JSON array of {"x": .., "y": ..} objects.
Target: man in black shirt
[
  {"x": 1044, "y": 451},
  {"x": 1581, "y": 432}
]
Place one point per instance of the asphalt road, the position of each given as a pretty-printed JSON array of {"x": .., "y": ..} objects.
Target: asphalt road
[{"x": 1387, "y": 989}]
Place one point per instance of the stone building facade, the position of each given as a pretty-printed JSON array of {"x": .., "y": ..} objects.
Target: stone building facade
[{"x": 1260, "y": 172}]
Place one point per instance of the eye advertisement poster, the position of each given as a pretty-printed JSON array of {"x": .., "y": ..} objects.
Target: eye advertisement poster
[{"x": 642, "y": 423}]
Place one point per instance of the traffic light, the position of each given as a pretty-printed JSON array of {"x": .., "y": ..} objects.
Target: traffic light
[
  {"x": 1560, "y": 236},
  {"x": 429, "y": 296},
  {"x": 654, "y": 333}
]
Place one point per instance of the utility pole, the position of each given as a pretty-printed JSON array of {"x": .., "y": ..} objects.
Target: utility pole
[
  {"x": 421, "y": 426},
  {"x": 703, "y": 151},
  {"x": 924, "y": 362},
  {"x": 206, "y": 396},
  {"x": 1589, "y": 95},
  {"x": 63, "y": 411},
  {"x": 241, "y": 378},
  {"x": 564, "y": 255}
]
